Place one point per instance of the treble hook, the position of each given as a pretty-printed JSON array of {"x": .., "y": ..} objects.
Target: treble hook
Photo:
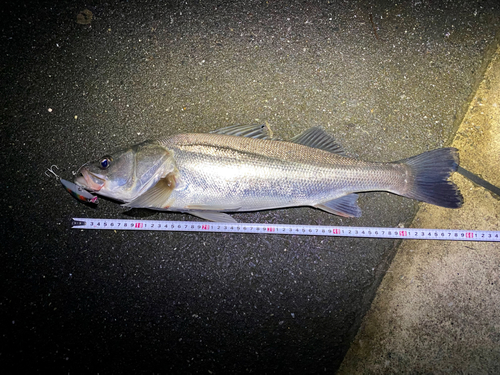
[{"x": 51, "y": 170}]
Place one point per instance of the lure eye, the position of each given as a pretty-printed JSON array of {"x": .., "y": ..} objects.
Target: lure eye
[{"x": 105, "y": 162}]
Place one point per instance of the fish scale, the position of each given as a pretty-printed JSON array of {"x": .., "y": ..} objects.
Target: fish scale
[{"x": 251, "y": 172}]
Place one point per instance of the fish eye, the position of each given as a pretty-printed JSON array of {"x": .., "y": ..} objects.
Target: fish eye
[{"x": 105, "y": 162}]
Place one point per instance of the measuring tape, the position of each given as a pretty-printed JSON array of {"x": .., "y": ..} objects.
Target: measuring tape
[{"x": 298, "y": 230}]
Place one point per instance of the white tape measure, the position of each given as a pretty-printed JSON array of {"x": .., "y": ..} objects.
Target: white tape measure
[{"x": 298, "y": 230}]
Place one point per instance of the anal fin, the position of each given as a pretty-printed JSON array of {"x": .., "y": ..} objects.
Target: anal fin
[{"x": 345, "y": 206}]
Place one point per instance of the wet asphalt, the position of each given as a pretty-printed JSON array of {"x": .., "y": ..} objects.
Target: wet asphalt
[{"x": 387, "y": 80}]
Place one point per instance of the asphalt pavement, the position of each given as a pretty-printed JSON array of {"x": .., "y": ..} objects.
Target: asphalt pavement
[{"x": 81, "y": 79}]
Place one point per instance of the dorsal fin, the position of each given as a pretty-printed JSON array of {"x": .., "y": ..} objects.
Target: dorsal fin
[
  {"x": 262, "y": 131},
  {"x": 317, "y": 138}
]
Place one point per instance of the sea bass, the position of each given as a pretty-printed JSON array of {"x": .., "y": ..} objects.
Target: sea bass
[{"x": 242, "y": 168}]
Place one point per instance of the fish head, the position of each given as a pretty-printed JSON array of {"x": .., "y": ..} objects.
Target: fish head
[{"x": 126, "y": 174}]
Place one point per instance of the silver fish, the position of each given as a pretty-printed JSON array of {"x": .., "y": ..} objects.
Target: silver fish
[{"x": 240, "y": 168}]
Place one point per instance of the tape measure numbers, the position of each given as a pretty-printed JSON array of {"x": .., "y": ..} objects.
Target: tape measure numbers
[{"x": 300, "y": 230}]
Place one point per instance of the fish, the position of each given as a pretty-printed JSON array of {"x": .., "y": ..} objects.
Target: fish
[{"x": 244, "y": 168}]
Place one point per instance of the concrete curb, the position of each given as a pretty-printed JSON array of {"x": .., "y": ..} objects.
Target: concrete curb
[{"x": 438, "y": 307}]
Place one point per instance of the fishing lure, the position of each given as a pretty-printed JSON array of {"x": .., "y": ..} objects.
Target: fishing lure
[{"x": 77, "y": 191}]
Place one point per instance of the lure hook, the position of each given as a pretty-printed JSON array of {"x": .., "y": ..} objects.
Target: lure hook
[
  {"x": 77, "y": 191},
  {"x": 51, "y": 170},
  {"x": 78, "y": 170}
]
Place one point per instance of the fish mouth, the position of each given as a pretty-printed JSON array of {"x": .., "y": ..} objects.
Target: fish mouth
[{"x": 90, "y": 181}]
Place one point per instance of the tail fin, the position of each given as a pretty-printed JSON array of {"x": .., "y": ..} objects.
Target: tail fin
[{"x": 430, "y": 172}]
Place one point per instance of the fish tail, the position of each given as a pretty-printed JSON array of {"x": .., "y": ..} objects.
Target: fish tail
[{"x": 430, "y": 172}]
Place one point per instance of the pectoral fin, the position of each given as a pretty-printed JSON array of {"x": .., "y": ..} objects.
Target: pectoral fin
[
  {"x": 344, "y": 206},
  {"x": 157, "y": 196}
]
